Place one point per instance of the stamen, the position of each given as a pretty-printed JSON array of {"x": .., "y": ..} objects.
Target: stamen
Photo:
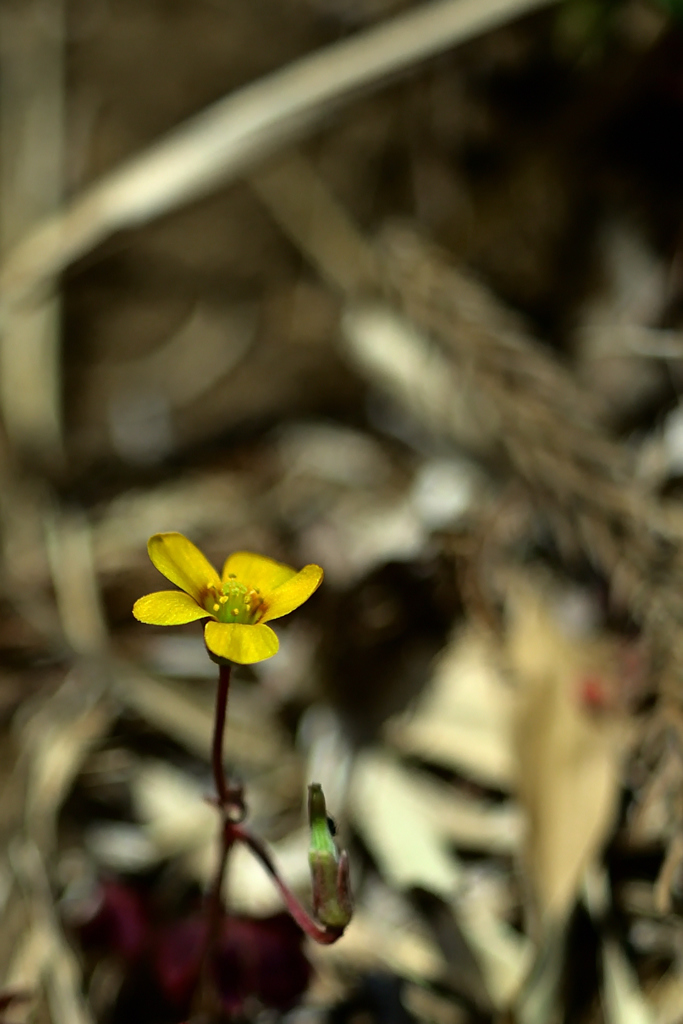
[
  {"x": 223, "y": 599},
  {"x": 216, "y": 607},
  {"x": 235, "y": 611}
]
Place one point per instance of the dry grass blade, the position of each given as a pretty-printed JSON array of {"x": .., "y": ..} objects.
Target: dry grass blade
[
  {"x": 186, "y": 714},
  {"x": 31, "y": 130},
  {"x": 25, "y": 967},
  {"x": 235, "y": 132},
  {"x": 195, "y": 505},
  {"x": 69, "y": 545},
  {"x": 53, "y": 956},
  {"x": 301, "y": 204},
  {"x": 54, "y": 744}
]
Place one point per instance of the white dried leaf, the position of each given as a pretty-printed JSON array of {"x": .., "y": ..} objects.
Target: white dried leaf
[
  {"x": 408, "y": 845},
  {"x": 407, "y": 950},
  {"x": 505, "y": 956},
  {"x": 464, "y": 719},
  {"x": 174, "y": 809},
  {"x": 624, "y": 1000},
  {"x": 569, "y": 757}
]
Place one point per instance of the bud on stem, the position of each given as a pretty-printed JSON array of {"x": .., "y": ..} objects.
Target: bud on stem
[{"x": 332, "y": 904}]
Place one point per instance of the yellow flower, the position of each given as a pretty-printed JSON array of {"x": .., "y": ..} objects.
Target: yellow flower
[{"x": 252, "y": 590}]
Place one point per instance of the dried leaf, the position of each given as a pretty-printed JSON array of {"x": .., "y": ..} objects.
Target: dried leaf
[
  {"x": 569, "y": 756},
  {"x": 666, "y": 998},
  {"x": 250, "y": 890},
  {"x": 465, "y": 821},
  {"x": 505, "y": 956},
  {"x": 409, "y": 846},
  {"x": 624, "y": 1001},
  {"x": 406, "y": 949},
  {"x": 173, "y": 807},
  {"x": 464, "y": 720}
]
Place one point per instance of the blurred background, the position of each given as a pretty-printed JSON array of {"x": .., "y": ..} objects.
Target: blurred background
[{"x": 397, "y": 288}]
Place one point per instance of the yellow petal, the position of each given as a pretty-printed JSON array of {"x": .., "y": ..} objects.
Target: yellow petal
[
  {"x": 288, "y": 596},
  {"x": 257, "y": 571},
  {"x": 168, "y": 608},
  {"x": 182, "y": 563},
  {"x": 238, "y": 642}
]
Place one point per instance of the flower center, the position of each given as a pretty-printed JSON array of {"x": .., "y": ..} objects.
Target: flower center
[{"x": 235, "y": 602}]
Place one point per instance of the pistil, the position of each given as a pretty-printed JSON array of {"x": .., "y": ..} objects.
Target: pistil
[{"x": 237, "y": 602}]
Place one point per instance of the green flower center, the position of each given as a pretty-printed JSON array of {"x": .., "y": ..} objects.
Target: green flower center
[{"x": 235, "y": 602}]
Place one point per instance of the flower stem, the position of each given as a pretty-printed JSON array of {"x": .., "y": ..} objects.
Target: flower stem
[
  {"x": 231, "y": 807},
  {"x": 229, "y": 803},
  {"x": 223, "y": 791},
  {"x": 323, "y": 935},
  {"x": 207, "y": 998}
]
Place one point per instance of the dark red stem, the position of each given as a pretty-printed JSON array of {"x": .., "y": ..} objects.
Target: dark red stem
[
  {"x": 222, "y": 788},
  {"x": 226, "y": 796},
  {"x": 206, "y": 994},
  {"x": 230, "y": 804},
  {"x": 324, "y": 936}
]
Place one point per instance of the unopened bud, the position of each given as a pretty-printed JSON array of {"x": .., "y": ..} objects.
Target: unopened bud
[{"x": 332, "y": 904}]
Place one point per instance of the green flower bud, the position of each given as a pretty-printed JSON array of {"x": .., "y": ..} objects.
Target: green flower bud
[{"x": 332, "y": 904}]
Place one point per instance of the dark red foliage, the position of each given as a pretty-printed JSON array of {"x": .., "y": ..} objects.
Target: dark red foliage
[
  {"x": 177, "y": 959},
  {"x": 261, "y": 958},
  {"x": 114, "y": 918}
]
